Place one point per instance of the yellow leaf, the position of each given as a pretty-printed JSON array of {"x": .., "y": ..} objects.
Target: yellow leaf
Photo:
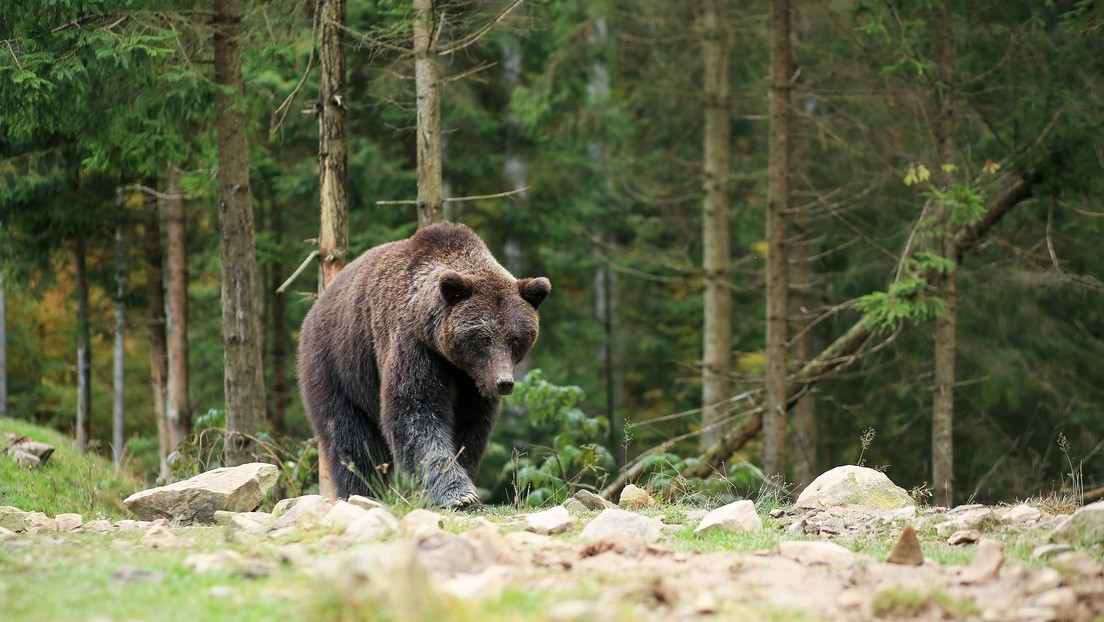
[
  {"x": 923, "y": 173},
  {"x": 949, "y": 168},
  {"x": 910, "y": 176}
]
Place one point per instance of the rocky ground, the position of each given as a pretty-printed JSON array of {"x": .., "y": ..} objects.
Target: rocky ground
[{"x": 853, "y": 547}]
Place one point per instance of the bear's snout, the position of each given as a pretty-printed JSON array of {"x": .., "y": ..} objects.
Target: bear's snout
[{"x": 505, "y": 385}]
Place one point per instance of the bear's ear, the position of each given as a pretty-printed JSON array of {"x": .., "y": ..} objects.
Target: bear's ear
[
  {"x": 534, "y": 291},
  {"x": 454, "y": 287}
]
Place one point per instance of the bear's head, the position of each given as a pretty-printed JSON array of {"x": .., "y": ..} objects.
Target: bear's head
[{"x": 488, "y": 325}]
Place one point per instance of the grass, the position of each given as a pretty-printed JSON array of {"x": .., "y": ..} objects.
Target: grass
[
  {"x": 68, "y": 482},
  {"x": 899, "y": 602}
]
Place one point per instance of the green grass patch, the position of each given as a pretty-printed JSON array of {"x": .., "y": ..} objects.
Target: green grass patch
[
  {"x": 906, "y": 603},
  {"x": 69, "y": 482}
]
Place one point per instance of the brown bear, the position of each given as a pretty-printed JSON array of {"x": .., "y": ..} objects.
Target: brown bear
[{"x": 404, "y": 360}]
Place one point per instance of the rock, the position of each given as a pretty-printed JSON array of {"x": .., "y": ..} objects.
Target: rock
[
  {"x": 489, "y": 544},
  {"x": 375, "y": 524},
  {"x": 97, "y": 526},
  {"x": 249, "y": 522},
  {"x": 342, "y": 515},
  {"x": 777, "y": 513},
  {"x": 797, "y": 528},
  {"x": 386, "y": 581},
  {"x": 1082, "y": 565},
  {"x": 1042, "y": 580},
  {"x": 37, "y": 522},
  {"x": 451, "y": 554},
  {"x": 195, "y": 500},
  {"x": 734, "y": 517},
  {"x": 907, "y": 549},
  {"x": 1062, "y": 600},
  {"x": 617, "y": 542},
  {"x": 1050, "y": 550},
  {"x": 366, "y": 503},
  {"x": 550, "y": 521},
  {"x": 853, "y": 485},
  {"x": 1085, "y": 527},
  {"x": 573, "y": 611},
  {"x": 421, "y": 522},
  {"x": 6, "y": 533},
  {"x": 28, "y": 453},
  {"x": 966, "y": 536},
  {"x": 161, "y": 537},
  {"x": 220, "y": 591},
  {"x": 575, "y": 507},
  {"x": 986, "y": 564},
  {"x": 12, "y": 518},
  {"x": 68, "y": 522},
  {"x": 592, "y": 501},
  {"x": 643, "y": 527},
  {"x": 304, "y": 512},
  {"x": 1022, "y": 513},
  {"x": 634, "y": 498},
  {"x": 811, "y": 553},
  {"x": 206, "y": 562}
]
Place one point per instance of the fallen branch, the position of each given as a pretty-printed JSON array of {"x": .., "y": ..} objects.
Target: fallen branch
[{"x": 839, "y": 354}]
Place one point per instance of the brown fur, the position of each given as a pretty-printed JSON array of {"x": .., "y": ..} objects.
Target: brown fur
[{"x": 405, "y": 357}]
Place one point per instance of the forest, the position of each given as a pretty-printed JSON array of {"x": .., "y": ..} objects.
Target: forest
[{"x": 782, "y": 236}]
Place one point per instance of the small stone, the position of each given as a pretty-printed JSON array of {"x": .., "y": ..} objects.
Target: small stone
[
  {"x": 575, "y": 507},
  {"x": 797, "y": 528},
  {"x": 421, "y": 522},
  {"x": 986, "y": 564},
  {"x": 12, "y": 518},
  {"x": 448, "y": 553},
  {"x": 1062, "y": 599},
  {"x": 617, "y": 542},
  {"x": 161, "y": 537},
  {"x": 97, "y": 526},
  {"x": 705, "y": 604},
  {"x": 734, "y": 517},
  {"x": 907, "y": 549},
  {"x": 68, "y": 522},
  {"x": 695, "y": 516},
  {"x": 550, "y": 521},
  {"x": 220, "y": 591},
  {"x": 6, "y": 533},
  {"x": 1050, "y": 550},
  {"x": 643, "y": 527},
  {"x": 207, "y": 562},
  {"x": 342, "y": 515},
  {"x": 635, "y": 498},
  {"x": 1079, "y": 563},
  {"x": 375, "y": 524},
  {"x": 127, "y": 525},
  {"x": 777, "y": 513},
  {"x": 966, "y": 536},
  {"x": 304, "y": 512},
  {"x": 364, "y": 502},
  {"x": 1085, "y": 527},
  {"x": 1042, "y": 580},
  {"x": 812, "y": 553},
  {"x": 853, "y": 485},
  {"x": 1023, "y": 513},
  {"x": 37, "y": 522},
  {"x": 489, "y": 544},
  {"x": 593, "y": 501}
]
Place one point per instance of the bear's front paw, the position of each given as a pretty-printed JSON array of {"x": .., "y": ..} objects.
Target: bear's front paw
[{"x": 461, "y": 501}]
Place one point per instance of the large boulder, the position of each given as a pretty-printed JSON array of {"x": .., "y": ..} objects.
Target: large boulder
[
  {"x": 1085, "y": 527},
  {"x": 195, "y": 500},
  {"x": 853, "y": 485}
]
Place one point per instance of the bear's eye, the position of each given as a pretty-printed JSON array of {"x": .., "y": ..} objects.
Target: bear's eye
[{"x": 484, "y": 341}]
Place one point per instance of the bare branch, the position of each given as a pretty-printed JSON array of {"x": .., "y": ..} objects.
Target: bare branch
[
  {"x": 284, "y": 107},
  {"x": 294, "y": 275},
  {"x": 480, "y": 197},
  {"x": 477, "y": 35}
]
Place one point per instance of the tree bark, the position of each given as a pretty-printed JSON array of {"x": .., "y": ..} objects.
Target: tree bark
[
  {"x": 155, "y": 301},
  {"x": 778, "y": 202},
  {"x": 333, "y": 240},
  {"x": 945, "y": 325},
  {"x": 843, "y": 351},
  {"x": 427, "y": 82},
  {"x": 716, "y": 251},
  {"x": 243, "y": 380},
  {"x": 84, "y": 355},
  {"x": 178, "y": 409},
  {"x": 117, "y": 431},
  {"x": 3, "y": 350}
]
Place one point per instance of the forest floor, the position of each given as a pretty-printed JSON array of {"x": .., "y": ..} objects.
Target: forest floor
[{"x": 488, "y": 567}]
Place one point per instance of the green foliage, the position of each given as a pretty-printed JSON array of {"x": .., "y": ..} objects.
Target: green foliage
[
  {"x": 541, "y": 473},
  {"x": 905, "y": 301}
]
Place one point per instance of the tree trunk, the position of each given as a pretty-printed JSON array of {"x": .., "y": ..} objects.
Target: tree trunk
[
  {"x": 774, "y": 424},
  {"x": 243, "y": 380},
  {"x": 178, "y": 408},
  {"x": 117, "y": 431},
  {"x": 945, "y": 325},
  {"x": 3, "y": 350},
  {"x": 428, "y": 88},
  {"x": 333, "y": 240},
  {"x": 155, "y": 301},
  {"x": 806, "y": 440},
  {"x": 716, "y": 252},
  {"x": 84, "y": 355}
]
